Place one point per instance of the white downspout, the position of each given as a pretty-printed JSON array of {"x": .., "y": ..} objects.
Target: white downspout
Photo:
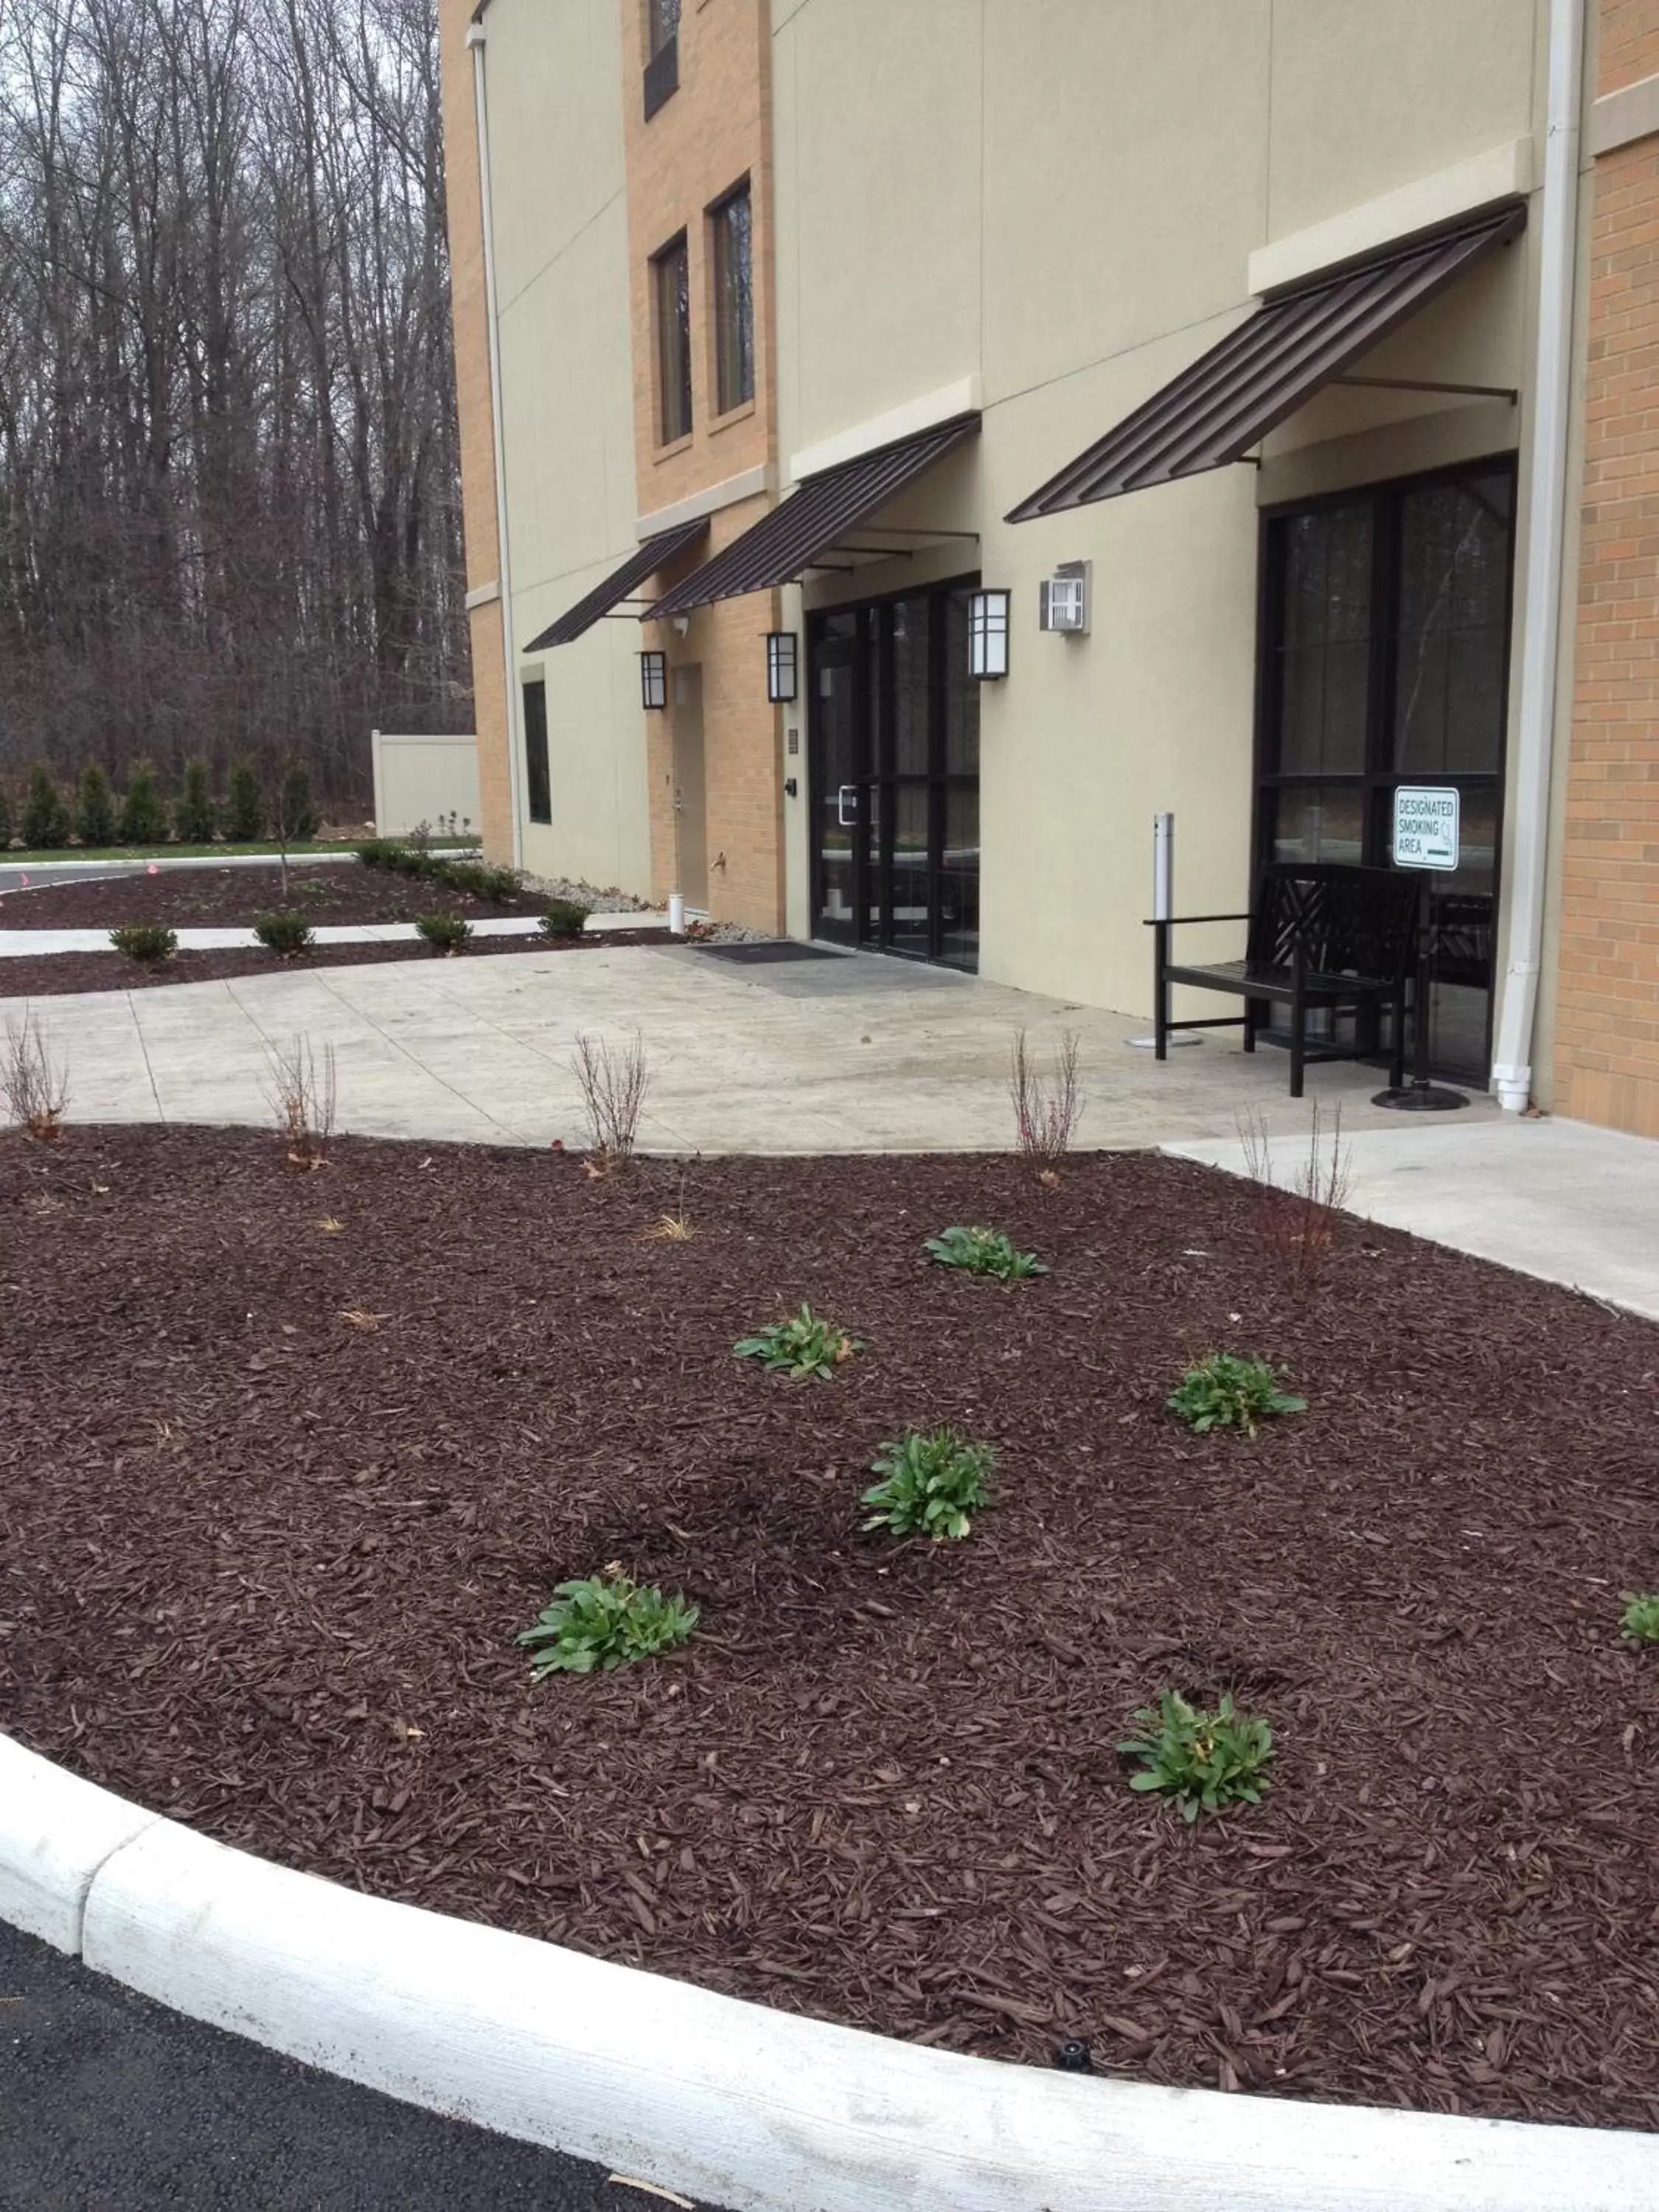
[
  {"x": 1546, "y": 526},
  {"x": 475, "y": 40}
]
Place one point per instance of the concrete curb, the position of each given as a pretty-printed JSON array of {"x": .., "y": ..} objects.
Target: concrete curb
[{"x": 760, "y": 2110}]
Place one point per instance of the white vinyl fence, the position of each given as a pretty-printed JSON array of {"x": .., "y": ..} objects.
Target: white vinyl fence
[{"x": 427, "y": 779}]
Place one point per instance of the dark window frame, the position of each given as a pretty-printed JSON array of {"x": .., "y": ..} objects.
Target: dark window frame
[
  {"x": 662, "y": 53},
  {"x": 1376, "y": 780},
  {"x": 537, "y": 772},
  {"x": 673, "y": 376},
  {"x": 734, "y": 335}
]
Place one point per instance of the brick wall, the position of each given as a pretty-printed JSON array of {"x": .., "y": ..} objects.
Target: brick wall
[
  {"x": 1606, "y": 1045},
  {"x": 468, "y": 313},
  {"x": 714, "y": 131}
]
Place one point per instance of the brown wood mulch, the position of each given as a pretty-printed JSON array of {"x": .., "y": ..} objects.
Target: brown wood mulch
[
  {"x": 262, "y": 1564},
  {"x": 56, "y": 975},
  {"x": 233, "y": 898}
]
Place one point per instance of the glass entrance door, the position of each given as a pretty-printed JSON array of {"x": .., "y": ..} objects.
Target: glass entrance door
[
  {"x": 894, "y": 733},
  {"x": 1385, "y": 632}
]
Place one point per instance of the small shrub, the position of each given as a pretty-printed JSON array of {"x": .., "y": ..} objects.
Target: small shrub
[
  {"x": 613, "y": 1086},
  {"x": 94, "y": 806},
  {"x": 1296, "y": 1221},
  {"x": 931, "y": 1484},
  {"x": 802, "y": 1345},
  {"x": 444, "y": 933},
  {"x": 604, "y": 1621},
  {"x": 150, "y": 942},
  {"x": 33, "y": 1086},
  {"x": 376, "y": 851},
  {"x": 1225, "y": 1392},
  {"x": 196, "y": 817},
  {"x": 1640, "y": 1619},
  {"x": 563, "y": 918},
  {"x": 245, "y": 804},
  {"x": 45, "y": 818},
  {"x": 467, "y": 878},
  {"x": 297, "y": 815},
  {"x": 984, "y": 1252},
  {"x": 1047, "y": 1108},
  {"x": 304, "y": 1101},
  {"x": 143, "y": 811},
  {"x": 285, "y": 932},
  {"x": 1206, "y": 1761}
]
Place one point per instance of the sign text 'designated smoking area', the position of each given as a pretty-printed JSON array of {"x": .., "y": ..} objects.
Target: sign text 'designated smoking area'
[{"x": 1425, "y": 827}]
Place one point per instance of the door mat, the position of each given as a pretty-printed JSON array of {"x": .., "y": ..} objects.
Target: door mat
[{"x": 773, "y": 949}]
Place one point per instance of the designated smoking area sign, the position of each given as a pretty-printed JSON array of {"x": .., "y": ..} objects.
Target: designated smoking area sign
[{"x": 1426, "y": 823}]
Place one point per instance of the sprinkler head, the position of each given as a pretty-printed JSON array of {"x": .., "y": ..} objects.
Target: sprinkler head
[{"x": 1074, "y": 2058}]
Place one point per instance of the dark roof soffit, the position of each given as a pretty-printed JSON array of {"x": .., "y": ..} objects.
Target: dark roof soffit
[
  {"x": 1271, "y": 364},
  {"x": 653, "y": 553},
  {"x": 781, "y": 544}
]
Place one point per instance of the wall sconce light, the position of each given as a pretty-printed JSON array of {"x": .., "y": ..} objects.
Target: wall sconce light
[
  {"x": 987, "y": 635},
  {"x": 654, "y": 680},
  {"x": 780, "y": 666}
]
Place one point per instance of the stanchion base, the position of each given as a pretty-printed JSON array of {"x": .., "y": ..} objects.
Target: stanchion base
[{"x": 1421, "y": 1098}]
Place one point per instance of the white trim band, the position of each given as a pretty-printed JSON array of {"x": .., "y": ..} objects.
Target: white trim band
[
  {"x": 483, "y": 595},
  {"x": 1620, "y": 118},
  {"x": 696, "y": 504},
  {"x": 1503, "y": 172},
  {"x": 760, "y": 2110},
  {"x": 962, "y": 398}
]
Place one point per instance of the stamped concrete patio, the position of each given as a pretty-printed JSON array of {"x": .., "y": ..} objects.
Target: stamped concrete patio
[{"x": 852, "y": 1054}]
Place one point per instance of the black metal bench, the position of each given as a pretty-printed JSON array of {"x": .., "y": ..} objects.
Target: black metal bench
[{"x": 1338, "y": 939}]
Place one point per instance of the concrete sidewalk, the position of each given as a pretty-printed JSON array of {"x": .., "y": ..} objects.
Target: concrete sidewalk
[{"x": 853, "y": 1054}]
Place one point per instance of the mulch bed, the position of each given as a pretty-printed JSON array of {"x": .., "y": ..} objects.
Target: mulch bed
[
  {"x": 231, "y": 898},
  {"x": 261, "y": 1568},
  {"x": 55, "y": 974}
]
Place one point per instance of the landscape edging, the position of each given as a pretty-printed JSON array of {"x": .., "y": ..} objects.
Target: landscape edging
[{"x": 757, "y": 2110}]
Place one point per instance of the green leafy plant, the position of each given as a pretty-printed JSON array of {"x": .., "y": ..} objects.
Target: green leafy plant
[
  {"x": 376, "y": 851},
  {"x": 1640, "y": 1619},
  {"x": 444, "y": 933},
  {"x": 932, "y": 1483},
  {"x": 143, "y": 811},
  {"x": 984, "y": 1252},
  {"x": 1206, "y": 1761},
  {"x": 147, "y": 941},
  {"x": 94, "y": 806},
  {"x": 297, "y": 814},
  {"x": 196, "y": 817},
  {"x": 563, "y": 918},
  {"x": 1225, "y": 1392},
  {"x": 245, "y": 804},
  {"x": 45, "y": 818},
  {"x": 604, "y": 1621},
  {"x": 802, "y": 1345},
  {"x": 284, "y": 932}
]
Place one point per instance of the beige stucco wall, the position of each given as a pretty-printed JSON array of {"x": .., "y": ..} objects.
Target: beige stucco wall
[
  {"x": 1060, "y": 197},
  {"x": 554, "y": 74}
]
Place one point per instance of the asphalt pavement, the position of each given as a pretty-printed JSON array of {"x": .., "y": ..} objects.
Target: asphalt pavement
[{"x": 110, "y": 2104}]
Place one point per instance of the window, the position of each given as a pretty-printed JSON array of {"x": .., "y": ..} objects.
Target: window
[
  {"x": 538, "y": 788},
  {"x": 1386, "y": 631},
  {"x": 662, "y": 43},
  {"x": 734, "y": 302},
  {"x": 670, "y": 278}
]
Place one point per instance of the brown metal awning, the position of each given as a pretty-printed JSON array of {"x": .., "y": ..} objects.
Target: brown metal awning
[
  {"x": 1271, "y": 365},
  {"x": 812, "y": 520},
  {"x": 654, "y": 553}
]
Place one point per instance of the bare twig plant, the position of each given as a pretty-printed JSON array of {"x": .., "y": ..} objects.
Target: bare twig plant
[
  {"x": 1297, "y": 1221},
  {"x": 1047, "y": 1107},
  {"x": 303, "y": 1095},
  {"x": 613, "y": 1081},
  {"x": 34, "y": 1085}
]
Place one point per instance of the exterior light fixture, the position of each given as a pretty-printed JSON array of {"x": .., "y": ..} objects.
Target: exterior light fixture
[
  {"x": 779, "y": 666},
  {"x": 654, "y": 680},
  {"x": 987, "y": 635}
]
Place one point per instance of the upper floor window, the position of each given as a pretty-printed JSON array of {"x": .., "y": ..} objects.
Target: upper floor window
[
  {"x": 662, "y": 47},
  {"x": 732, "y": 260},
  {"x": 671, "y": 283}
]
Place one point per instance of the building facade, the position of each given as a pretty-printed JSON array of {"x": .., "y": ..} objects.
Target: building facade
[{"x": 983, "y": 429}]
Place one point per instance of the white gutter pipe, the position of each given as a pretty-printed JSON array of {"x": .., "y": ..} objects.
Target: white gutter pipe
[
  {"x": 475, "y": 40},
  {"x": 1546, "y": 528}
]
